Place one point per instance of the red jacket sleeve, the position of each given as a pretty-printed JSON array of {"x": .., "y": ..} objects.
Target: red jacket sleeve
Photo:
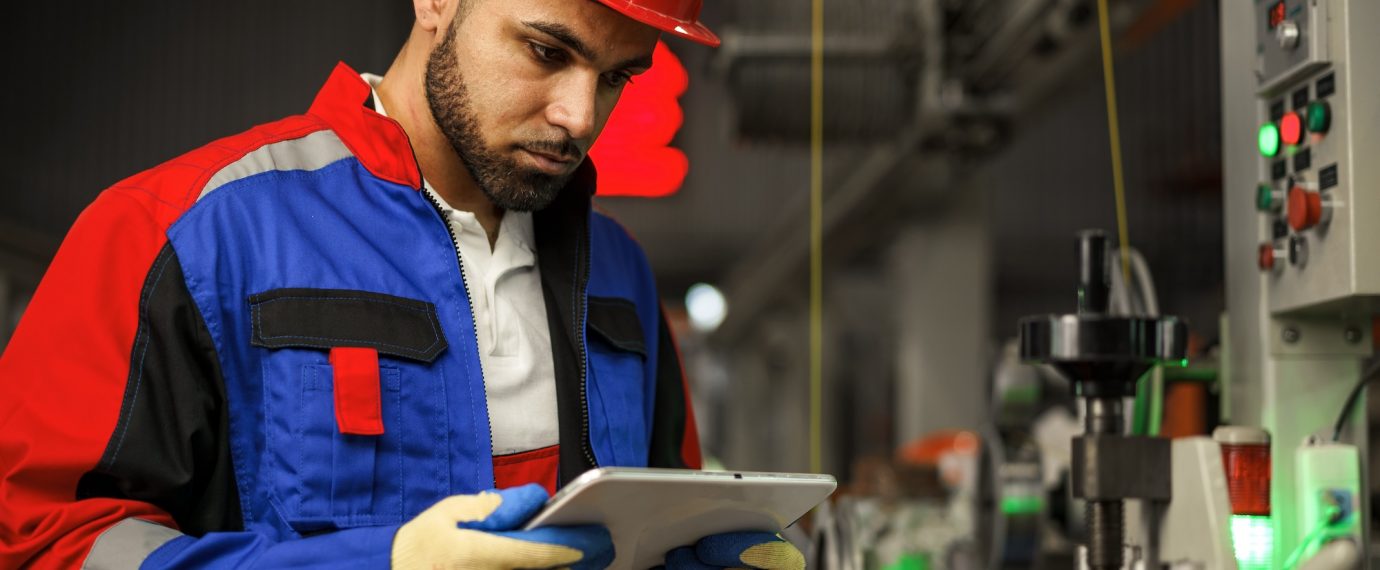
[
  {"x": 63, "y": 376},
  {"x": 113, "y": 417}
]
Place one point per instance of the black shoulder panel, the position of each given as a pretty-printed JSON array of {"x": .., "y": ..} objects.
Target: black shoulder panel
[
  {"x": 670, "y": 415},
  {"x": 171, "y": 444}
]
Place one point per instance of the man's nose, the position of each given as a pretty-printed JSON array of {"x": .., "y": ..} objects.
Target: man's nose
[{"x": 573, "y": 107}]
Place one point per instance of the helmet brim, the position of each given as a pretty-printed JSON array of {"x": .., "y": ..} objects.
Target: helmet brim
[{"x": 690, "y": 30}]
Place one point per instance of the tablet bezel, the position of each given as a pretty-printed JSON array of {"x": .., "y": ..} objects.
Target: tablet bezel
[{"x": 740, "y": 510}]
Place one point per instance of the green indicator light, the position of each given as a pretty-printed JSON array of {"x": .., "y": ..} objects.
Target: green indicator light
[
  {"x": 1021, "y": 395},
  {"x": 1015, "y": 506},
  {"x": 910, "y": 561},
  {"x": 1268, "y": 139},
  {"x": 1254, "y": 540},
  {"x": 1264, "y": 198},
  {"x": 1319, "y": 117}
]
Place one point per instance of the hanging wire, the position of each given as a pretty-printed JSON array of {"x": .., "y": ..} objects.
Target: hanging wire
[
  {"x": 816, "y": 235},
  {"x": 1118, "y": 181}
]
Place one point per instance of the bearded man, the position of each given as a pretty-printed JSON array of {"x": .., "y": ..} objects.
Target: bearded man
[{"x": 377, "y": 334}]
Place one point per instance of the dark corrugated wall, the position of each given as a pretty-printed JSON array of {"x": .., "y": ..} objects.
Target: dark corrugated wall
[{"x": 98, "y": 91}]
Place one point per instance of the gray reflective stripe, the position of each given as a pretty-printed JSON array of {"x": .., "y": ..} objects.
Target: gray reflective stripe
[
  {"x": 126, "y": 545},
  {"x": 307, "y": 153}
]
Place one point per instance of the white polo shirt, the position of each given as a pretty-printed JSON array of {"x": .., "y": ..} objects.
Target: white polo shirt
[{"x": 510, "y": 320}]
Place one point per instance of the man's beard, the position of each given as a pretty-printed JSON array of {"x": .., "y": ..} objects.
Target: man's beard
[{"x": 508, "y": 185}]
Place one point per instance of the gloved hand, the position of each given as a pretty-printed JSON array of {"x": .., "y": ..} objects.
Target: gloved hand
[
  {"x": 477, "y": 531},
  {"x": 737, "y": 550}
]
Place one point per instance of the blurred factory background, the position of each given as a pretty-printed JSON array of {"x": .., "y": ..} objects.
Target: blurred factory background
[{"x": 966, "y": 143}]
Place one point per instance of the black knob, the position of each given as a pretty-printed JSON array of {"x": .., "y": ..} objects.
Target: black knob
[{"x": 1093, "y": 279}]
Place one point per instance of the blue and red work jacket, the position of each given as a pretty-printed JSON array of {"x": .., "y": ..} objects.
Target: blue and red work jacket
[{"x": 169, "y": 398}]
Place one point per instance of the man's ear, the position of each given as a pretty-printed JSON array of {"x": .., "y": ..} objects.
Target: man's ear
[{"x": 432, "y": 14}]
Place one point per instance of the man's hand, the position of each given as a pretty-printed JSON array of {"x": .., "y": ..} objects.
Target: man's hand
[
  {"x": 478, "y": 531},
  {"x": 737, "y": 550}
]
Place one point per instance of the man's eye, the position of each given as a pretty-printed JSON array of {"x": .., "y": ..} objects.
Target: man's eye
[
  {"x": 547, "y": 54},
  {"x": 619, "y": 79}
]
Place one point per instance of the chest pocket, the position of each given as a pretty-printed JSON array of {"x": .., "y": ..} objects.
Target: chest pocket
[
  {"x": 619, "y": 389},
  {"x": 318, "y": 478}
]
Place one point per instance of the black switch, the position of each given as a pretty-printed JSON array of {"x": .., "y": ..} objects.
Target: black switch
[
  {"x": 1301, "y": 98},
  {"x": 1327, "y": 177},
  {"x": 1302, "y": 160},
  {"x": 1327, "y": 85}
]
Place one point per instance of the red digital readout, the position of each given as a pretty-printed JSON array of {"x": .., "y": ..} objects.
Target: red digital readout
[{"x": 1277, "y": 14}]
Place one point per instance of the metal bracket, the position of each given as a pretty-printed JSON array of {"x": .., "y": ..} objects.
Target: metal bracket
[{"x": 1319, "y": 337}]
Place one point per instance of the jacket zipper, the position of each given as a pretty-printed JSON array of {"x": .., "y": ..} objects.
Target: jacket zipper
[
  {"x": 464, "y": 284},
  {"x": 584, "y": 358}
]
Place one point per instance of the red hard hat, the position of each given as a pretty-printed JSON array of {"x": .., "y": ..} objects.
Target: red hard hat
[{"x": 677, "y": 17}]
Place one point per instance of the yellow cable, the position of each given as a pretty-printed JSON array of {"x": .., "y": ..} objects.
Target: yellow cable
[
  {"x": 816, "y": 234},
  {"x": 1118, "y": 183}
]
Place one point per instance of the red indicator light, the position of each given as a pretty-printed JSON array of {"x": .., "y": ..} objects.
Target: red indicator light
[
  {"x": 1291, "y": 128},
  {"x": 1246, "y": 459},
  {"x": 1277, "y": 14},
  {"x": 634, "y": 153}
]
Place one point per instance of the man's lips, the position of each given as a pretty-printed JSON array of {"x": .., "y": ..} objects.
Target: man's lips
[{"x": 551, "y": 163}]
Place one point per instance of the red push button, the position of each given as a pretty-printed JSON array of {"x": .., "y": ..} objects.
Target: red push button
[
  {"x": 1305, "y": 209},
  {"x": 1291, "y": 128},
  {"x": 1266, "y": 257}
]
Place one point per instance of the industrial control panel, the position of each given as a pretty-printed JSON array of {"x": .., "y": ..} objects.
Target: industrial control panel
[
  {"x": 1318, "y": 193},
  {"x": 1301, "y": 142}
]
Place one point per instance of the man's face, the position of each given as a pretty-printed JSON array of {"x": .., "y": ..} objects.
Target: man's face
[{"x": 521, "y": 88}]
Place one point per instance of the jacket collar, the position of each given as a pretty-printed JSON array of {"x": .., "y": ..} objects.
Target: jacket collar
[{"x": 378, "y": 142}]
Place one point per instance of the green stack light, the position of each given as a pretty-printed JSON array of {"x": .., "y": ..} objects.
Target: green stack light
[
  {"x": 1268, "y": 139},
  {"x": 910, "y": 561},
  {"x": 1018, "y": 506},
  {"x": 1254, "y": 539}
]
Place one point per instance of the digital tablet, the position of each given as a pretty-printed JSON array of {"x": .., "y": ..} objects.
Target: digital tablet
[{"x": 651, "y": 511}]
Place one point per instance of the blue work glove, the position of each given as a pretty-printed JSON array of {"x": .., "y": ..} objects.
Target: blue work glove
[
  {"x": 480, "y": 531},
  {"x": 737, "y": 550}
]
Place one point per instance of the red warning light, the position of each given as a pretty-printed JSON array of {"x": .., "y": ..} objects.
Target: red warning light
[
  {"x": 1291, "y": 128},
  {"x": 1246, "y": 459},
  {"x": 634, "y": 153}
]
